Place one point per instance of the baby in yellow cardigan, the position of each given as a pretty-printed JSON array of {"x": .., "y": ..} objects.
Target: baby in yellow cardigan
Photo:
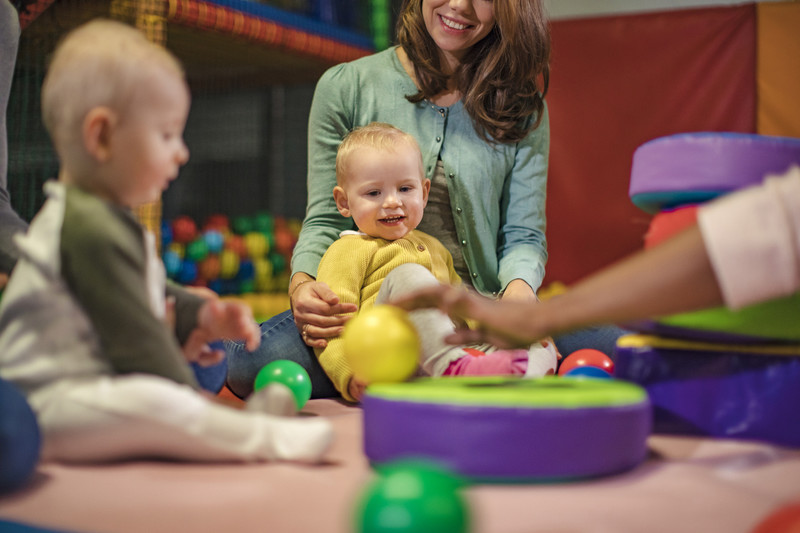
[{"x": 381, "y": 184}]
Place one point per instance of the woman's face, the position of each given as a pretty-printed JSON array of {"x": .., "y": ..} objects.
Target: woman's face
[{"x": 457, "y": 25}]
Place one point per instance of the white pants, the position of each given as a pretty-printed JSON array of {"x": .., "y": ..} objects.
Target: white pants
[
  {"x": 142, "y": 416},
  {"x": 433, "y": 326}
]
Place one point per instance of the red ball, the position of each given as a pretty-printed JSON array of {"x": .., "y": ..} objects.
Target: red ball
[
  {"x": 784, "y": 520},
  {"x": 183, "y": 229},
  {"x": 586, "y": 357},
  {"x": 217, "y": 221}
]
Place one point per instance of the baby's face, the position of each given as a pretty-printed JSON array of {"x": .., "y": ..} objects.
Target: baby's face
[
  {"x": 385, "y": 191},
  {"x": 148, "y": 142}
]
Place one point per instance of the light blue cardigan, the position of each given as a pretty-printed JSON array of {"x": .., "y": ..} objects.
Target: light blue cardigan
[{"x": 497, "y": 191}]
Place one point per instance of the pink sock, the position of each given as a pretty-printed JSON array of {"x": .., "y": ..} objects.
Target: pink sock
[{"x": 499, "y": 363}]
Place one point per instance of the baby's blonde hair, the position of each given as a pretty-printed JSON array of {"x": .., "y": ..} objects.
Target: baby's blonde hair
[
  {"x": 101, "y": 63},
  {"x": 377, "y": 135}
]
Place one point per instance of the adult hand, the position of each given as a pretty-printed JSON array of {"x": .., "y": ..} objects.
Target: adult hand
[
  {"x": 520, "y": 291},
  {"x": 318, "y": 314},
  {"x": 506, "y": 324}
]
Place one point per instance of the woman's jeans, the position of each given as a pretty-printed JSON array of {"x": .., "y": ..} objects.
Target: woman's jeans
[{"x": 281, "y": 340}]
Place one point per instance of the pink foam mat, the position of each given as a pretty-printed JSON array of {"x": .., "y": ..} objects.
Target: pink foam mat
[{"x": 686, "y": 484}]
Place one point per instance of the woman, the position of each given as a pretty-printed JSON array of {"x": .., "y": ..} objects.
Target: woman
[{"x": 468, "y": 81}]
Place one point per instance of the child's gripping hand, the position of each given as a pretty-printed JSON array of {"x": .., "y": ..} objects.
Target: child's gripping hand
[{"x": 224, "y": 319}]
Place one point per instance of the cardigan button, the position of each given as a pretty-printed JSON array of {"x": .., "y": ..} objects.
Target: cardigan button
[
  {"x": 463, "y": 243},
  {"x": 438, "y": 139},
  {"x": 474, "y": 275},
  {"x": 458, "y": 210},
  {"x": 421, "y": 248}
]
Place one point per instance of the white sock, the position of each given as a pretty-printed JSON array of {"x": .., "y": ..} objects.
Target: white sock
[
  {"x": 542, "y": 360},
  {"x": 274, "y": 399}
]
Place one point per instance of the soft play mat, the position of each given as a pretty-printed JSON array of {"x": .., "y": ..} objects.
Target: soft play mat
[
  {"x": 510, "y": 429},
  {"x": 691, "y": 168},
  {"x": 715, "y": 389}
]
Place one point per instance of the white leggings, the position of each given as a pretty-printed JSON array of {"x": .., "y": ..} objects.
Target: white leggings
[{"x": 142, "y": 416}]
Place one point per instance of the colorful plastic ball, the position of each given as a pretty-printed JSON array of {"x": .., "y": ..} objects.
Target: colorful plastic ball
[
  {"x": 229, "y": 264},
  {"x": 586, "y": 357},
  {"x": 278, "y": 262},
  {"x": 381, "y": 345},
  {"x": 172, "y": 263},
  {"x": 197, "y": 250},
  {"x": 217, "y": 222},
  {"x": 256, "y": 244},
  {"x": 215, "y": 240},
  {"x": 209, "y": 268},
  {"x": 235, "y": 243},
  {"x": 411, "y": 498},
  {"x": 588, "y": 372},
  {"x": 242, "y": 225},
  {"x": 20, "y": 438},
  {"x": 785, "y": 519},
  {"x": 188, "y": 272},
  {"x": 284, "y": 240},
  {"x": 287, "y": 373},
  {"x": 263, "y": 222},
  {"x": 166, "y": 234},
  {"x": 178, "y": 249},
  {"x": 183, "y": 229},
  {"x": 246, "y": 270},
  {"x": 246, "y": 286},
  {"x": 263, "y": 269}
]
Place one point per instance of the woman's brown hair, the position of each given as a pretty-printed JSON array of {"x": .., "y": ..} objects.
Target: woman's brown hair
[{"x": 503, "y": 78}]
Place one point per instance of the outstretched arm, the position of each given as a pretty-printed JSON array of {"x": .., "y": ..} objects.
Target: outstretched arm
[{"x": 676, "y": 276}]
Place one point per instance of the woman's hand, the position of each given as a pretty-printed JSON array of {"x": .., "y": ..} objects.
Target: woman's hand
[
  {"x": 519, "y": 291},
  {"x": 318, "y": 313}
]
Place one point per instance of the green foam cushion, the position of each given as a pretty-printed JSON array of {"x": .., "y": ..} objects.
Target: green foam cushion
[
  {"x": 554, "y": 392},
  {"x": 773, "y": 320}
]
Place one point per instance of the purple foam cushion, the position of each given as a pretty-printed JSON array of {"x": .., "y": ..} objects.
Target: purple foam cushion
[
  {"x": 708, "y": 163},
  {"x": 716, "y": 390},
  {"x": 485, "y": 435}
]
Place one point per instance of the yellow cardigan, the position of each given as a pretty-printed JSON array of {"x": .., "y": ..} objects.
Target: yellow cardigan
[{"x": 355, "y": 266}]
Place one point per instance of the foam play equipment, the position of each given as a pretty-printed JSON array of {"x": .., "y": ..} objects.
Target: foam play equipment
[
  {"x": 771, "y": 321},
  {"x": 509, "y": 429},
  {"x": 714, "y": 389},
  {"x": 690, "y": 168}
]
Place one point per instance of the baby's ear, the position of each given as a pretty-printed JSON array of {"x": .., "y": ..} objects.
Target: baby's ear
[
  {"x": 341, "y": 201},
  {"x": 426, "y": 189},
  {"x": 97, "y": 128}
]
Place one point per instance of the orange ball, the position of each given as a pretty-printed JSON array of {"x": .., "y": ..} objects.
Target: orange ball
[
  {"x": 586, "y": 357},
  {"x": 785, "y": 520}
]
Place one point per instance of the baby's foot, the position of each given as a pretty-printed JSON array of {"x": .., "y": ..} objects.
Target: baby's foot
[
  {"x": 299, "y": 439},
  {"x": 542, "y": 360},
  {"x": 274, "y": 399}
]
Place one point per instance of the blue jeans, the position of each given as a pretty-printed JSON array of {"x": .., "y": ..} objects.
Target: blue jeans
[{"x": 281, "y": 340}]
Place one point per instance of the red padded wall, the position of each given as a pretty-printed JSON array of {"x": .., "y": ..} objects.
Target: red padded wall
[{"x": 616, "y": 83}]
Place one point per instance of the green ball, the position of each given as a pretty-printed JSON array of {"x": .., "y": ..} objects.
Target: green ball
[
  {"x": 413, "y": 497},
  {"x": 287, "y": 373},
  {"x": 197, "y": 250}
]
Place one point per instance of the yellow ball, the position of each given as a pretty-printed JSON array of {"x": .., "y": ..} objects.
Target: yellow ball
[{"x": 381, "y": 345}]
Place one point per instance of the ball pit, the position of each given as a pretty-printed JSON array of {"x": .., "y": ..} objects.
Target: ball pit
[{"x": 242, "y": 255}]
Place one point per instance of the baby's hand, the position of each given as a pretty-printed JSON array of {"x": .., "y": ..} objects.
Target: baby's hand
[
  {"x": 229, "y": 320},
  {"x": 356, "y": 388}
]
